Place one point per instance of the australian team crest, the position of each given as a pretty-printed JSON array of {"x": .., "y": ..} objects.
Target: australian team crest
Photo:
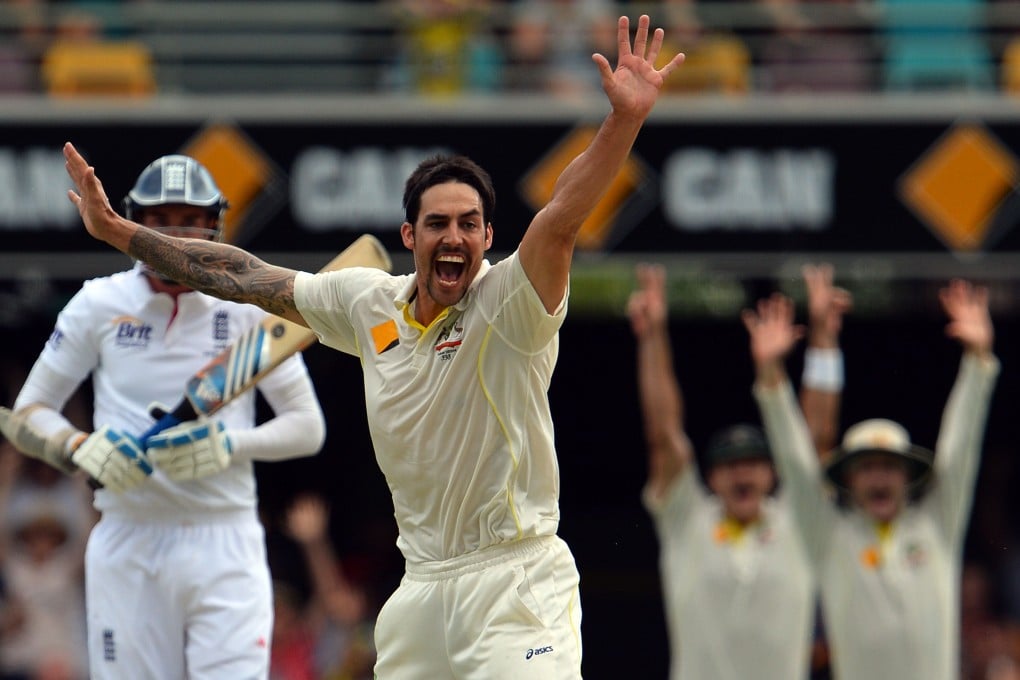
[{"x": 449, "y": 341}]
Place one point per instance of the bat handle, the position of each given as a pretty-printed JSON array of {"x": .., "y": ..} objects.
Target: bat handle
[{"x": 167, "y": 421}]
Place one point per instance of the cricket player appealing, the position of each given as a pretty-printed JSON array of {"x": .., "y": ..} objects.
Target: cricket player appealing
[
  {"x": 738, "y": 587},
  {"x": 177, "y": 582},
  {"x": 457, "y": 360},
  {"x": 888, "y": 566}
]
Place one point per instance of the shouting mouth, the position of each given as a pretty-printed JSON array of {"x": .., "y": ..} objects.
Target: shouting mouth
[{"x": 449, "y": 269}]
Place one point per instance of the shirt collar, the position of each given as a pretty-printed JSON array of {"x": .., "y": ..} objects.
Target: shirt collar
[{"x": 406, "y": 294}]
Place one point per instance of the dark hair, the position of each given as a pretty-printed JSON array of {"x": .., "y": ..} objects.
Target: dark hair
[{"x": 441, "y": 169}]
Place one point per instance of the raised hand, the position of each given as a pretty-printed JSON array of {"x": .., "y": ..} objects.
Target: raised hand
[
  {"x": 634, "y": 86},
  {"x": 773, "y": 334},
  {"x": 966, "y": 305},
  {"x": 91, "y": 200},
  {"x": 647, "y": 307},
  {"x": 827, "y": 305},
  {"x": 307, "y": 518}
]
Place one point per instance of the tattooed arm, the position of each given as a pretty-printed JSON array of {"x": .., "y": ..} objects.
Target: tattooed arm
[{"x": 217, "y": 269}]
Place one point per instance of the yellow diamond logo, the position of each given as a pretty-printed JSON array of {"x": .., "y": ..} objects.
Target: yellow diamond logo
[
  {"x": 537, "y": 187},
  {"x": 245, "y": 174},
  {"x": 959, "y": 185}
]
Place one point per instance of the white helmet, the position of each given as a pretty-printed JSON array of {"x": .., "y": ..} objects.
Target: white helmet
[{"x": 179, "y": 180}]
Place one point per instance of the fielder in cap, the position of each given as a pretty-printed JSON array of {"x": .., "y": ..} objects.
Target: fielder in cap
[
  {"x": 737, "y": 583},
  {"x": 177, "y": 582},
  {"x": 888, "y": 565}
]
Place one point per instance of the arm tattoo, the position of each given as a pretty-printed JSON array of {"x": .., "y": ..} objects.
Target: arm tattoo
[{"x": 217, "y": 269}]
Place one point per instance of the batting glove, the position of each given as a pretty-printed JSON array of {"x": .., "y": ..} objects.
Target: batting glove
[
  {"x": 113, "y": 458},
  {"x": 194, "y": 449}
]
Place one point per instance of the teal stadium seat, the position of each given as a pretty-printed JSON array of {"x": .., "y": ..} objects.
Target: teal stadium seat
[{"x": 936, "y": 45}]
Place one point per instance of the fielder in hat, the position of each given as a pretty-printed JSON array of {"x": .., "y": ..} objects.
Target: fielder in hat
[
  {"x": 738, "y": 588},
  {"x": 887, "y": 561}
]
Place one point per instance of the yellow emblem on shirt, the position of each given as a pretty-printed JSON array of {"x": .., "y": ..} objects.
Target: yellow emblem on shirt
[{"x": 385, "y": 336}]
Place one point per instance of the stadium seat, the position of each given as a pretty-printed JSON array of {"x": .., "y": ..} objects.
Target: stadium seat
[
  {"x": 1010, "y": 73},
  {"x": 931, "y": 45},
  {"x": 98, "y": 67}
]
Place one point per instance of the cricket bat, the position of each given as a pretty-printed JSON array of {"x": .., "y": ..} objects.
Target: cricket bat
[{"x": 261, "y": 349}]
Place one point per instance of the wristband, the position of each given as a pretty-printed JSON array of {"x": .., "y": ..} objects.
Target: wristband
[{"x": 823, "y": 369}]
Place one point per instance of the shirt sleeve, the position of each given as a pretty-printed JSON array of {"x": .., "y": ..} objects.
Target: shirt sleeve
[
  {"x": 958, "y": 449},
  {"x": 325, "y": 301},
  {"x": 800, "y": 472},
  {"x": 676, "y": 504},
  {"x": 72, "y": 349},
  {"x": 298, "y": 426},
  {"x": 513, "y": 308}
]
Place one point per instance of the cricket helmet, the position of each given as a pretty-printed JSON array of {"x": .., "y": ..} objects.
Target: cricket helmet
[{"x": 178, "y": 180}]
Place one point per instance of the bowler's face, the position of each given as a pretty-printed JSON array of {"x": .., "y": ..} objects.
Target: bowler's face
[
  {"x": 449, "y": 242},
  {"x": 878, "y": 485}
]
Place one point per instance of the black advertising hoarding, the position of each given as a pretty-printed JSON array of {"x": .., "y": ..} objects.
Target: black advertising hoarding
[{"x": 694, "y": 186}]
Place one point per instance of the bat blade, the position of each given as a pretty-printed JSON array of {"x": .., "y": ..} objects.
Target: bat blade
[{"x": 259, "y": 350}]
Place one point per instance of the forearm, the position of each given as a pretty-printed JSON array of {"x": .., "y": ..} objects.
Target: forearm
[
  {"x": 322, "y": 566},
  {"x": 585, "y": 180},
  {"x": 291, "y": 435},
  {"x": 963, "y": 420},
  {"x": 661, "y": 401},
  {"x": 821, "y": 394},
  {"x": 217, "y": 269}
]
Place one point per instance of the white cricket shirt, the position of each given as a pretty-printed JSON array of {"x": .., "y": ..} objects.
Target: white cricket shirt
[
  {"x": 738, "y": 605},
  {"x": 139, "y": 350},
  {"x": 458, "y": 411},
  {"x": 890, "y": 599}
]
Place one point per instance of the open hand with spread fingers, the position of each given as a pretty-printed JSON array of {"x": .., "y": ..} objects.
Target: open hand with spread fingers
[
  {"x": 966, "y": 305},
  {"x": 89, "y": 196},
  {"x": 634, "y": 86},
  {"x": 773, "y": 334}
]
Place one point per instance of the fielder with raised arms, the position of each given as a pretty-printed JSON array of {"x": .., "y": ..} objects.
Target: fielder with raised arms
[
  {"x": 457, "y": 359},
  {"x": 738, "y": 588},
  {"x": 177, "y": 582},
  {"x": 887, "y": 561}
]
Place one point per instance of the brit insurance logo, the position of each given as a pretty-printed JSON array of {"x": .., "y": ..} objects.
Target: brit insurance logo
[
  {"x": 131, "y": 332},
  {"x": 252, "y": 183},
  {"x": 630, "y": 197},
  {"x": 964, "y": 188}
]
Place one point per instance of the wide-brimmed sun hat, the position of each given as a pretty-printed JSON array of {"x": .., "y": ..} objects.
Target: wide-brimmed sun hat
[{"x": 879, "y": 435}]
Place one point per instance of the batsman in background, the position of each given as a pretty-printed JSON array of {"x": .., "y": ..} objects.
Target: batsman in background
[
  {"x": 887, "y": 561},
  {"x": 738, "y": 587},
  {"x": 177, "y": 581},
  {"x": 457, "y": 360}
]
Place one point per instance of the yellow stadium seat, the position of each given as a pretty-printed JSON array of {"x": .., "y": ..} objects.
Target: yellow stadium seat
[
  {"x": 1010, "y": 69},
  {"x": 98, "y": 67}
]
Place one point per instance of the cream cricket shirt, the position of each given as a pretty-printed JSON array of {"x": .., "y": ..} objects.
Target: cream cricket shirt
[
  {"x": 739, "y": 604},
  {"x": 890, "y": 596},
  {"x": 139, "y": 350},
  {"x": 458, "y": 411}
]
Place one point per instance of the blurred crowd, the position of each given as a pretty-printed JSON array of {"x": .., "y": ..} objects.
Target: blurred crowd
[{"x": 450, "y": 47}]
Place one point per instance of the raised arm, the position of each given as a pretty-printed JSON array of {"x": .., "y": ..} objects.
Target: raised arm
[
  {"x": 773, "y": 335},
  {"x": 821, "y": 386},
  {"x": 218, "y": 269},
  {"x": 669, "y": 449},
  {"x": 548, "y": 245},
  {"x": 958, "y": 449}
]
